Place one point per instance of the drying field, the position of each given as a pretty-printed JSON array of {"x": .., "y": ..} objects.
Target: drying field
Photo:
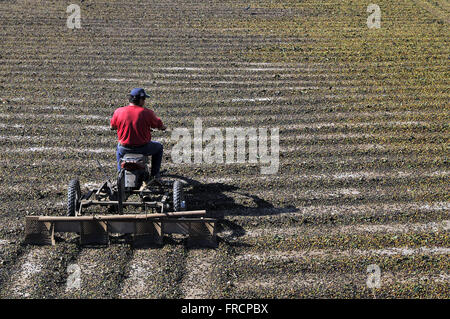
[{"x": 363, "y": 116}]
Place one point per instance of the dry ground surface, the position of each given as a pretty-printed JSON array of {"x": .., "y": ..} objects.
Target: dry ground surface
[{"x": 363, "y": 117}]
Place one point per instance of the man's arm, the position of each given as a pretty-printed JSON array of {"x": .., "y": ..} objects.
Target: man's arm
[
  {"x": 112, "y": 123},
  {"x": 156, "y": 121}
]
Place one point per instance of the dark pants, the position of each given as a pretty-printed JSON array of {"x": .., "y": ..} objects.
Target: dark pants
[{"x": 155, "y": 149}]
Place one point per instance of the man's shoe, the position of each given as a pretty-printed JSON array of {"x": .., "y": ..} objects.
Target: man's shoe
[{"x": 144, "y": 185}]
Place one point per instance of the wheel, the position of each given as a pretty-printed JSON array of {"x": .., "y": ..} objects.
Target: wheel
[
  {"x": 73, "y": 197},
  {"x": 120, "y": 191},
  {"x": 179, "y": 203}
]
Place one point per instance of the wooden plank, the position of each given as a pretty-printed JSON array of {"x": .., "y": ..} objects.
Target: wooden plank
[
  {"x": 179, "y": 227},
  {"x": 67, "y": 226},
  {"x": 94, "y": 230},
  {"x": 147, "y": 233},
  {"x": 94, "y": 233},
  {"x": 203, "y": 234},
  {"x": 201, "y": 231},
  {"x": 39, "y": 233},
  {"x": 121, "y": 227}
]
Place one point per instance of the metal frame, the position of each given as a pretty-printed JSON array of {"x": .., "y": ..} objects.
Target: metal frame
[
  {"x": 146, "y": 229},
  {"x": 106, "y": 190}
]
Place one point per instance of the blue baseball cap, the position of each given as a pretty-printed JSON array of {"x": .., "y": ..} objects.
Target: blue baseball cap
[{"x": 139, "y": 92}]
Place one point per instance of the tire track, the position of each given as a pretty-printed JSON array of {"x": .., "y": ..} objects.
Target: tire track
[
  {"x": 357, "y": 229},
  {"x": 21, "y": 283},
  {"x": 146, "y": 274},
  {"x": 102, "y": 271},
  {"x": 198, "y": 281},
  {"x": 343, "y": 285}
]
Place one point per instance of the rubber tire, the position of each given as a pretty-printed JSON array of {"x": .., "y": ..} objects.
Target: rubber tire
[
  {"x": 120, "y": 191},
  {"x": 73, "y": 197},
  {"x": 178, "y": 196}
]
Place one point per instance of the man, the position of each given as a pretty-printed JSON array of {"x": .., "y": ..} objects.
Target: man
[{"x": 133, "y": 124}]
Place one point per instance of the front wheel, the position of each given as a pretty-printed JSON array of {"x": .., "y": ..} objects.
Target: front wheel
[{"x": 73, "y": 197}]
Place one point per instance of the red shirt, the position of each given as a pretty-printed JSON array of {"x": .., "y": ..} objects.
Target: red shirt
[{"x": 133, "y": 124}]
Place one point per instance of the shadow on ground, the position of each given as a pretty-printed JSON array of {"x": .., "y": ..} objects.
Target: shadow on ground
[{"x": 218, "y": 201}]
